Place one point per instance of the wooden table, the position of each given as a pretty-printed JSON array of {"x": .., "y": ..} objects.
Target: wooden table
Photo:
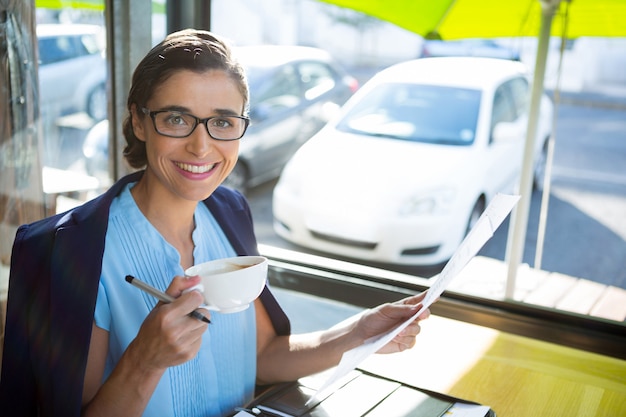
[{"x": 514, "y": 375}]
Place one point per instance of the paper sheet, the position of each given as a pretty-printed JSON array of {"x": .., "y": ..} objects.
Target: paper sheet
[
  {"x": 483, "y": 230},
  {"x": 467, "y": 410}
]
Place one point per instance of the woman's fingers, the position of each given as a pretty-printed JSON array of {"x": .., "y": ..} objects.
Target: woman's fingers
[
  {"x": 169, "y": 336},
  {"x": 187, "y": 301}
]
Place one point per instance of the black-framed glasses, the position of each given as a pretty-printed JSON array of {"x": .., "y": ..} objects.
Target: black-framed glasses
[{"x": 176, "y": 124}]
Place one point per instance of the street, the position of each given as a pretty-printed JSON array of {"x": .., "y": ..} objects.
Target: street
[{"x": 585, "y": 234}]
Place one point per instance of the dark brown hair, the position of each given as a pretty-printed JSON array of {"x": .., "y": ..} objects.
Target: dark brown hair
[{"x": 188, "y": 49}]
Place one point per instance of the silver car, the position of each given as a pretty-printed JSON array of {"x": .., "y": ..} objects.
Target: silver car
[
  {"x": 72, "y": 70},
  {"x": 294, "y": 90}
]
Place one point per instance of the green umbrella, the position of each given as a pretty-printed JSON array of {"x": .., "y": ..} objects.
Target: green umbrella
[
  {"x": 72, "y": 4},
  {"x": 455, "y": 19}
]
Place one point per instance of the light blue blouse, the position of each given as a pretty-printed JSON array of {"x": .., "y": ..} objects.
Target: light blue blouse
[{"x": 222, "y": 376}]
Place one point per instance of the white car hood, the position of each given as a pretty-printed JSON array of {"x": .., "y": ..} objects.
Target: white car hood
[{"x": 353, "y": 169}]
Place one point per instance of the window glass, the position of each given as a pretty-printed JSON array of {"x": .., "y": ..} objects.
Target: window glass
[
  {"x": 72, "y": 150},
  {"x": 416, "y": 113},
  {"x": 503, "y": 110},
  {"x": 73, "y": 98},
  {"x": 520, "y": 92},
  {"x": 278, "y": 93},
  {"x": 316, "y": 78}
]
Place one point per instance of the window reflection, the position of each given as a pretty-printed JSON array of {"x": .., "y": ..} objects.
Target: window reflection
[
  {"x": 73, "y": 77},
  {"x": 49, "y": 164}
]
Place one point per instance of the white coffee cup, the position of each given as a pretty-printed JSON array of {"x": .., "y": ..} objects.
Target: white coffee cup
[{"x": 229, "y": 285}]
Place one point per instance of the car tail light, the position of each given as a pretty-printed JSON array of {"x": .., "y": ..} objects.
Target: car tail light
[{"x": 353, "y": 83}]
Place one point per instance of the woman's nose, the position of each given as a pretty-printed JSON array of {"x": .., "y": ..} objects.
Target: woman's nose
[{"x": 200, "y": 142}]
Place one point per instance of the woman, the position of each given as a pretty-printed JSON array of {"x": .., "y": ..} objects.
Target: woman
[{"x": 81, "y": 341}]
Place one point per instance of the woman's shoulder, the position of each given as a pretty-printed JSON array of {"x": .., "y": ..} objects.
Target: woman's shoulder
[
  {"x": 91, "y": 213},
  {"x": 225, "y": 196}
]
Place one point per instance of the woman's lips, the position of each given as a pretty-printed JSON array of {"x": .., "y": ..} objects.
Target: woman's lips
[{"x": 195, "y": 169}]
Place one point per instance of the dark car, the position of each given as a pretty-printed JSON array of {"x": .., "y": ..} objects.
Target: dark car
[{"x": 294, "y": 90}]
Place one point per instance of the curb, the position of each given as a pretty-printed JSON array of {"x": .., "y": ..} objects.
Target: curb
[{"x": 590, "y": 99}]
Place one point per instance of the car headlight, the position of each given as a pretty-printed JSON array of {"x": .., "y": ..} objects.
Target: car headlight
[{"x": 431, "y": 202}]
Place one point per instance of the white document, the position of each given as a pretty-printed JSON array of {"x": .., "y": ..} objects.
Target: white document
[
  {"x": 243, "y": 414},
  {"x": 467, "y": 410},
  {"x": 483, "y": 230}
]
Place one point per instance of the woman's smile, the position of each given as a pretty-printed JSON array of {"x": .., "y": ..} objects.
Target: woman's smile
[{"x": 194, "y": 168}]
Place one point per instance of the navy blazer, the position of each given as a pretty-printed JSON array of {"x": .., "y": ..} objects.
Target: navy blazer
[{"x": 53, "y": 284}]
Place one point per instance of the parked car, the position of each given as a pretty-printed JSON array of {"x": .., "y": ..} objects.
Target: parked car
[
  {"x": 96, "y": 152},
  {"x": 406, "y": 169},
  {"x": 294, "y": 90},
  {"x": 487, "y": 48},
  {"x": 72, "y": 69}
]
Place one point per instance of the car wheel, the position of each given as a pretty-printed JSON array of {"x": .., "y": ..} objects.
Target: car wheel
[
  {"x": 97, "y": 103},
  {"x": 238, "y": 178},
  {"x": 539, "y": 168},
  {"x": 475, "y": 214}
]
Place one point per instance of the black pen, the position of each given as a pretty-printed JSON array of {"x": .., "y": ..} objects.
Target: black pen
[{"x": 164, "y": 297}]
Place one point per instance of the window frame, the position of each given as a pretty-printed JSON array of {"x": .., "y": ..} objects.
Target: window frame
[{"x": 367, "y": 287}]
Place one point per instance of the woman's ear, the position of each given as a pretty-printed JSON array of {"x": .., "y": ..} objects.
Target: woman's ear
[{"x": 137, "y": 123}]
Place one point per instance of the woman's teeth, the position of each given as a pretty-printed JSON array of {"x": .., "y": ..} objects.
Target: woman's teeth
[{"x": 196, "y": 169}]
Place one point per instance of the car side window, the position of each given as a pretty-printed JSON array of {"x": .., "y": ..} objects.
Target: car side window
[
  {"x": 62, "y": 48},
  {"x": 282, "y": 93},
  {"x": 503, "y": 110},
  {"x": 503, "y": 107},
  {"x": 520, "y": 93},
  {"x": 90, "y": 44},
  {"x": 317, "y": 78},
  {"x": 55, "y": 49}
]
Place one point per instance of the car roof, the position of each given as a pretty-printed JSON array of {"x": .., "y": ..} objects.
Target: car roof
[
  {"x": 273, "y": 55},
  {"x": 464, "y": 72},
  {"x": 55, "y": 29}
]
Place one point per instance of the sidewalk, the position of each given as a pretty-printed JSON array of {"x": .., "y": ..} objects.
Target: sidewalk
[
  {"x": 486, "y": 277},
  {"x": 605, "y": 96}
]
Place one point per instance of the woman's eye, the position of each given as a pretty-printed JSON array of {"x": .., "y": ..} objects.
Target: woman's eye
[
  {"x": 176, "y": 120},
  {"x": 222, "y": 123}
]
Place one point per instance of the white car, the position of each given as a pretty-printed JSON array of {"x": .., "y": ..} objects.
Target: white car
[
  {"x": 72, "y": 69},
  {"x": 411, "y": 161}
]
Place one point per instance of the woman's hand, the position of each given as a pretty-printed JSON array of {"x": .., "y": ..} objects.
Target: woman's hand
[
  {"x": 168, "y": 336},
  {"x": 387, "y": 316}
]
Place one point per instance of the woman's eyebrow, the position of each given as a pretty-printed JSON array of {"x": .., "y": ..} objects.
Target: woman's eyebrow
[
  {"x": 226, "y": 112},
  {"x": 183, "y": 109},
  {"x": 176, "y": 108}
]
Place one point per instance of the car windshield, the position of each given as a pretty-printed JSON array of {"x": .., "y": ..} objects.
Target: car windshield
[{"x": 417, "y": 113}]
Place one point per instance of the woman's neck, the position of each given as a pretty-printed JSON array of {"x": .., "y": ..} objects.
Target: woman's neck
[{"x": 172, "y": 217}]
